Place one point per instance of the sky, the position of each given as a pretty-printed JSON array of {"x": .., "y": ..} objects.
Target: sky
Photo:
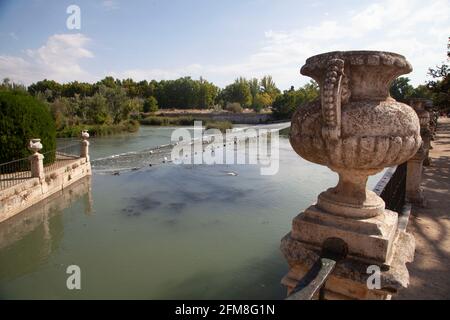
[{"x": 218, "y": 40}]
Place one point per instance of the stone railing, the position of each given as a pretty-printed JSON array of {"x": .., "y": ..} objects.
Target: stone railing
[
  {"x": 22, "y": 189},
  {"x": 16, "y": 171}
]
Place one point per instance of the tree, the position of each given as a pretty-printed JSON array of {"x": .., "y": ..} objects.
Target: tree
[
  {"x": 23, "y": 117},
  {"x": 401, "y": 90},
  {"x": 8, "y": 85},
  {"x": 440, "y": 84},
  {"x": 151, "y": 105},
  {"x": 116, "y": 102},
  {"x": 268, "y": 86},
  {"x": 97, "y": 109},
  {"x": 239, "y": 92},
  {"x": 285, "y": 104},
  {"x": 261, "y": 101},
  {"x": 51, "y": 88}
]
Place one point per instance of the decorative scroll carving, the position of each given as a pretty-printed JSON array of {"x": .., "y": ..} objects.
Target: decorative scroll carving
[{"x": 331, "y": 99}]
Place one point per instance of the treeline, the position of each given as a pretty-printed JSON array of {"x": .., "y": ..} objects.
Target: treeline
[
  {"x": 111, "y": 105},
  {"x": 437, "y": 90},
  {"x": 182, "y": 93},
  {"x": 114, "y": 102}
]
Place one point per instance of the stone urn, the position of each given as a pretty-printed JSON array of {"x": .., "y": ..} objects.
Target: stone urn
[
  {"x": 355, "y": 128},
  {"x": 419, "y": 105},
  {"x": 84, "y": 134},
  {"x": 35, "y": 145}
]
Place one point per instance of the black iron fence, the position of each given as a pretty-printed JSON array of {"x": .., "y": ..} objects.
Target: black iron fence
[
  {"x": 14, "y": 172},
  {"x": 61, "y": 156}
]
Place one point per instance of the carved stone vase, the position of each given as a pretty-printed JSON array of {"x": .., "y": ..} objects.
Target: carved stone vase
[{"x": 356, "y": 129}]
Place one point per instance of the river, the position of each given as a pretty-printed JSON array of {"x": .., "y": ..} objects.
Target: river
[{"x": 164, "y": 231}]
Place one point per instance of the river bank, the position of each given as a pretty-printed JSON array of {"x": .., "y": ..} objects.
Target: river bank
[{"x": 99, "y": 129}]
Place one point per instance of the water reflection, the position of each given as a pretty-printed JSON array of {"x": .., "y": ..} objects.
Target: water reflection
[{"x": 28, "y": 239}]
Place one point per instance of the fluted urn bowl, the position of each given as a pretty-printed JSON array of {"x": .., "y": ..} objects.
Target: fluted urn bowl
[{"x": 355, "y": 127}]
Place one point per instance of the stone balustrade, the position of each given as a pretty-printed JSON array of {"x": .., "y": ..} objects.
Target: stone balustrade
[{"x": 44, "y": 180}]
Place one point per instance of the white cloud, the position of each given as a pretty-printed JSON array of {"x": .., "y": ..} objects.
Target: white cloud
[
  {"x": 416, "y": 29},
  {"x": 57, "y": 59},
  {"x": 419, "y": 30}
]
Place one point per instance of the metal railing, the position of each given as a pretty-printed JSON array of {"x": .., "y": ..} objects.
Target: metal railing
[
  {"x": 17, "y": 171},
  {"x": 392, "y": 187},
  {"x": 14, "y": 172},
  {"x": 313, "y": 283},
  {"x": 62, "y": 155}
]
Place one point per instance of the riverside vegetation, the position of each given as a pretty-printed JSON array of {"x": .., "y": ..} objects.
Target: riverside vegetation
[{"x": 112, "y": 105}]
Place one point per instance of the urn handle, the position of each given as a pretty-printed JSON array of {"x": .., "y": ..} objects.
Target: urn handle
[{"x": 331, "y": 99}]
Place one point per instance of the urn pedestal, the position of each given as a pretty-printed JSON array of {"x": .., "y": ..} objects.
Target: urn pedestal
[
  {"x": 414, "y": 192},
  {"x": 356, "y": 129}
]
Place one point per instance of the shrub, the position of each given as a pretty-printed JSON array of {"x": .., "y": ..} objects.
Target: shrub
[
  {"x": 234, "y": 107},
  {"x": 221, "y": 125},
  {"x": 168, "y": 121},
  {"x": 22, "y": 118},
  {"x": 99, "y": 129},
  {"x": 151, "y": 105}
]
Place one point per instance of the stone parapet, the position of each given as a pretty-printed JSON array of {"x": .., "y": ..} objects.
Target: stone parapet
[{"x": 17, "y": 198}]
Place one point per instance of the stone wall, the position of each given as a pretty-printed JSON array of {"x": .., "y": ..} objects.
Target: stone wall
[{"x": 21, "y": 196}]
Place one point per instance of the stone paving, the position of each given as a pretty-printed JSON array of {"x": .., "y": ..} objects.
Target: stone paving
[{"x": 430, "y": 225}]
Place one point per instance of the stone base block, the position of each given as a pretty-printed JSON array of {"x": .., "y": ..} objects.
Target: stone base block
[
  {"x": 368, "y": 240},
  {"x": 350, "y": 278}
]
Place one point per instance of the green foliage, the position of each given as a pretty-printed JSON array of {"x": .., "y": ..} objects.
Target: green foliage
[
  {"x": 7, "y": 85},
  {"x": 22, "y": 118},
  {"x": 239, "y": 92},
  {"x": 168, "y": 121},
  {"x": 268, "y": 86},
  {"x": 261, "y": 101},
  {"x": 234, "y": 107},
  {"x": 401, "y": 90},
  {"x": 185, "y": 93},
  {"x": 440, "y": 87},
  {"x": 185, "y": 121},
  {"x": 151, "y": 104},
  {"x": 99, "y": 129},
  {"x": 285, "y": 104},
  {"x": 221, "y": 125}
]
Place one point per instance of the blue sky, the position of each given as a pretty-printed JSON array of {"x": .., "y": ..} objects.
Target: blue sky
[{"x": 219, "y": 40}]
